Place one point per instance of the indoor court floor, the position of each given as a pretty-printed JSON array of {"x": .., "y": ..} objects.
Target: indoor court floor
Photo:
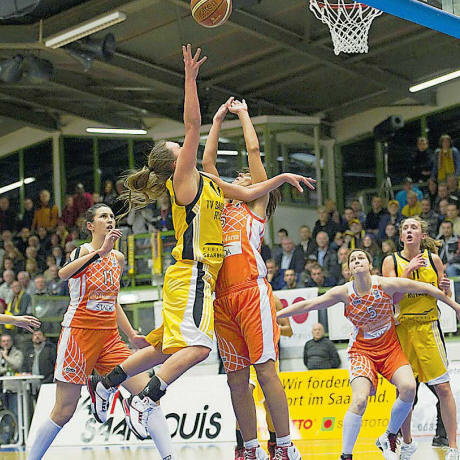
[{"x": 321, "y": 450}]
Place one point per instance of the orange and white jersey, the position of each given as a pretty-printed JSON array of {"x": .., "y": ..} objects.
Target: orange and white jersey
[
  {"x": 93, "y": 295},
  {"x": 372, "y": 317},
  {"x": 243, "y": 233}
]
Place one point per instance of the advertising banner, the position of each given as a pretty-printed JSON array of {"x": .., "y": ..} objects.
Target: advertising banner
[
  {"x": 301, "y": 324},
  {"x": 198, "y": 409}
]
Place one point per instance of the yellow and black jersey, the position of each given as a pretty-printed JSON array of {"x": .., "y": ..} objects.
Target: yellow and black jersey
[
  {"x": 417, "y": 307},
  {"x": 197, "y": 226}
]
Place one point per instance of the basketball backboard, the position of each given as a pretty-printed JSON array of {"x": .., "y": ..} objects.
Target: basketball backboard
[{"x": 451, "y": 6}]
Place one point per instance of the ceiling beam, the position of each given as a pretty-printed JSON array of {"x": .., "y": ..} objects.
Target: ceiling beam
[
  {"x": 262, "y": 28},
  {"x": 28, "y": 117}
]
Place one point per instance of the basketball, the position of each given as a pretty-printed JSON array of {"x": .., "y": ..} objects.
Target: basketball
[{"x": 211, "y": 13}]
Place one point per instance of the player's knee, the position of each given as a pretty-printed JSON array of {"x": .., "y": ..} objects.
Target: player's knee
[
  {"x": 407, "y": 391},
  {"x": 443, "y": 390},
  {"x": 265, "y": 374},
  {"x": 238, "y": 383},
  {"x": 200, "y": 353},
  {"x": 62, "y": 413},
  {"x": 359, "y": 404}
]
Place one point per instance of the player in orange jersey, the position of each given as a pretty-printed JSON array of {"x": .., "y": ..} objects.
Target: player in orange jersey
[
  {"x": 244, "y": 308},
  {"x": 89, "y": 337},
  {"x": 374, "y": 346}
]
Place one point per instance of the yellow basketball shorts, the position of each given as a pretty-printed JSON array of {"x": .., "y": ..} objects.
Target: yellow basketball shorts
[
  {"x": 188, "y": 314},
  {"x": 423, "y": 344}
]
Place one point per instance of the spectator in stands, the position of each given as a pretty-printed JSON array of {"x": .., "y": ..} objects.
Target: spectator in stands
[
  {"x": 375, "y": 215},
  {"x": 43, "y": 240},
  {"x": 306, "y": 274},
  {"x": 338, "y": 241},
  {"x": 11, "y": 360},
  {"x": 97, "y": 198},
  {"x": 446, "y": 159},
  {"x": 432, "y": 192},
  {"x": 141, "y": 220},
  {"x": 28, "y": 215},
  {"x": 408, "y": 186},
  {"x": 276, "y": 248},
  {"x": 290, "y": 279},
  {"x": 443, "y": 208},
  {"x": 325, "y": 224},
  {"x": 274, "y": 275},
  {"x": 6, "y": 289},
  {"x": 109, "y": 196},
  {"x": 32, "y": 255},
  {"x": 422, "y": 161},
  {"x": 47, "y": 214},
  {"x": 62, "y": 233},
  {"x": 69, "y": 212},
  {"x": 307, "y": 245},
  {"x": 22, "y": 240},
  {"x": 265, "y": 251},
  {"x": 346, "y": 274},
  {"x": 7, "y": 237},
  {"x": 370, "y": 245},
  {"x": 27, "y": 285},
  {"x": 348, "y": 216},
  {"x": 452, "y": 187},
  {"x": 443, "y": 194},
  {"x": 50, "y": 262},
  {"x": 320, "y": 352},
  {"x": 32, "y": 267},
  {"x": 318, "y": 278},
  {"x": 69, "y": 247},
  {"x": 54, "y": 285},
  {"x": 326, "y": 256},
  {"x": 291, "y": 257},
  {"x": 334, "y": 214},
  {"x": 450, "y": 246},
  {"x": 21, "y": 302},
  {"x": 393, "y": 216},
  {"x": 54, "y": 241},
  {"x": 433, "y": 219},
  {"x": 40, "y": 359},
  {"x": 452, "y": 215},
  {"x": 356, "y": 235},
  {"x": 82, "y": 200},
  {"x": 413, "y": 206},
  {"x": 391, "y": 233},
  {"x": 388, "y": 247},
  {"x": 358, "y": 212},
  {"x": 58, "y": 255},
  {"x": 342, "y": 255},
  {"x": 162, "y": 217},
  {"x": 40, "y": 285},
  {"x": 13, "y": 253},
  {"x": 7, "y": 215}
]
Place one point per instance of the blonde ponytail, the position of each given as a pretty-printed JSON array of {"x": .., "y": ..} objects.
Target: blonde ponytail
[{"x": 148, "y": 184}]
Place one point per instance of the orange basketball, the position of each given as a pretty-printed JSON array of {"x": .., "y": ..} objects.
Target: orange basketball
[{"x": 211, "y": 13}]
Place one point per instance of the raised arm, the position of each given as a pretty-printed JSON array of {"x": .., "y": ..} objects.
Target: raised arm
[
  {"x": 27, "y": 322},
  {"x": 394, "y": 286},
  {"x": 251, "y": 193},
  {"x": 185, "y": 183},
  {"x": 212, "y": 142},
  {"x": 331, "y": 297}
]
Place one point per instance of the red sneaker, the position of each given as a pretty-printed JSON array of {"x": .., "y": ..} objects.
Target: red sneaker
[
  {"x": 255, "y": 453},
  {"x": 271, "y": 446},
  {"x": 239, "y": 453},
  {"x": 287, "y": 453}
]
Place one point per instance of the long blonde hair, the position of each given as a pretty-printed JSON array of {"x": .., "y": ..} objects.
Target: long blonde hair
[
  {"x": 148, "y": 184},
  {"x": 427, "y": 243}
]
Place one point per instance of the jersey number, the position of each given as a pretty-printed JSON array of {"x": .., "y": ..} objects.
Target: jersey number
[
  {"x": 108, "y": 277},
  {"x": 371, "y": 311}
]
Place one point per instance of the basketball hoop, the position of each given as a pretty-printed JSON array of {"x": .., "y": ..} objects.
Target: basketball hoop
[{"x": 348, "y": 21}]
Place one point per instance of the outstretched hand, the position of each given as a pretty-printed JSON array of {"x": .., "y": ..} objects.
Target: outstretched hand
[
  {"x": 296, "y": 180},
  {"x": 238, "y": 107},
  {"x": 192, "y": 64},
  {"x": 27, "y": 322},
  {"x": 222, "y": 110}
]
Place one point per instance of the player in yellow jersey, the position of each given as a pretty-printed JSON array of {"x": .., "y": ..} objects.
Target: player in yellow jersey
[
  {"x": 418, "y": 327},
  {"x": 197, "y": 200}
]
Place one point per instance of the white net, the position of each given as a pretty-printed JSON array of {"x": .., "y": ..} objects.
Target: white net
[{"x": 348, "y": 21}]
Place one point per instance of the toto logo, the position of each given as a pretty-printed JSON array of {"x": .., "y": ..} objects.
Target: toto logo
[{"x": 299, "y": 319}]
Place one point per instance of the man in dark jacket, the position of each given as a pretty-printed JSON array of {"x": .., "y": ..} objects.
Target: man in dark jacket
[
  {"x": 290, "y": 257},
  {"x": 320, "y": 352},
  {"x": 40, "y": 359}
]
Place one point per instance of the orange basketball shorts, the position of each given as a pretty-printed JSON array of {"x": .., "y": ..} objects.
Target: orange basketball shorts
[
  {"x": 368, "y": 362},
  {"x": 245, "y": 325},
  {"x": 82, "y": 350}
]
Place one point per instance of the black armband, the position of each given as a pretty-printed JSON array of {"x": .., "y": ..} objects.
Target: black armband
[{"x": 86, "y": 264}]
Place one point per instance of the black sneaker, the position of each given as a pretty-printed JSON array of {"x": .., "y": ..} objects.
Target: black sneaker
[
  {"x": 346, "y": 457},
  {"x": 440, "y": 441}
]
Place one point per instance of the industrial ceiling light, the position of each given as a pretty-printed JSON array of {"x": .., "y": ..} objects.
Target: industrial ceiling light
[
  {"x": 435, "y": 81},
  {"x": 38, "y": 70},
  {"x": 99, "y": 48},
  {"x": 11, "y": 70},
  {"x": 116, "y": 131},
  {"x": 17, "y": 184},
  {"x": 83, "y": 30}
]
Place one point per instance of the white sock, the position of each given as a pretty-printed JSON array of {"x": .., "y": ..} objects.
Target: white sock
[
  {"x": 351, "y": 428},
  {"x": 251, "y": 444},
  {"x": 163, "y": 384},
  {"x": 399, "y": 412},
  {"x": 45, "y": 436},
  {"x": 285, "y": 441},
  {"x": 159, "y": 432}
]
